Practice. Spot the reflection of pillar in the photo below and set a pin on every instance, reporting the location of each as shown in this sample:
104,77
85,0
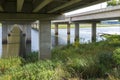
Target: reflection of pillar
56,29
68,33
76,31
56,40
14,42
68,28
93,32
28,38
4,39
45,40
68,39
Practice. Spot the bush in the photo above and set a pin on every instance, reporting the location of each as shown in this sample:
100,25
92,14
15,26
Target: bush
116,56
8,63
105,62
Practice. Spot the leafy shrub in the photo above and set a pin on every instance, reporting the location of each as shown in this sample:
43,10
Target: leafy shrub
31,57
8,63
105,62
116,56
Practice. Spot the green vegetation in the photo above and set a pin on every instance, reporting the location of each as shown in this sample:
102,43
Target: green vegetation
93,61
113,2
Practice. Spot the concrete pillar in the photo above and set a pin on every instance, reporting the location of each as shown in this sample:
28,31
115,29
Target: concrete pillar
36,26
45,40
68,28
76,31
23,41
23,45
68,33
4,39
68,39
56,29
4,33
14,39
93,32
28,38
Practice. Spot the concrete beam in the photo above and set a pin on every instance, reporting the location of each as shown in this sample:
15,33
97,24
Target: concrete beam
23,16
1,8
64,5
93,32
19,5
97,15
44,40
41,5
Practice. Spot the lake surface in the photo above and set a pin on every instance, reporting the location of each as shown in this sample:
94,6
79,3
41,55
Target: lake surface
85,36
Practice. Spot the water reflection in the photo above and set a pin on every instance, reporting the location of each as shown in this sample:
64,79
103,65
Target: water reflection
68,39
63,38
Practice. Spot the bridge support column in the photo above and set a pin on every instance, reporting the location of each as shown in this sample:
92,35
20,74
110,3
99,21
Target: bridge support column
68,28
44,40
28,38
93,32
56,29
76,32
4,39
4,33
68,33
56,34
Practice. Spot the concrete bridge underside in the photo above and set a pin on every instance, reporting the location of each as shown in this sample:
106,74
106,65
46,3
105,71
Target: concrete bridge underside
92,17
17,11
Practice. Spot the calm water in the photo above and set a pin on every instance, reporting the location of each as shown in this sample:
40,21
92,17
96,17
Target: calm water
85,36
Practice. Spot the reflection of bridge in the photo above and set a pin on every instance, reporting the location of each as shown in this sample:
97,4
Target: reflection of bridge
25,12
93,17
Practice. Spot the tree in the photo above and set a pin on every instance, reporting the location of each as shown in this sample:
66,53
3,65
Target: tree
113,2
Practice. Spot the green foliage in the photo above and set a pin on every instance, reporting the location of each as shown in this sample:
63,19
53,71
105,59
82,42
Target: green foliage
105,62
31,57
116,56
113,2
88,61
8,63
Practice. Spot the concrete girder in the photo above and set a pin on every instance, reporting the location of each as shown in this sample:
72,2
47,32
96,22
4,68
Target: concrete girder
19,5
23,16
64,5
41,5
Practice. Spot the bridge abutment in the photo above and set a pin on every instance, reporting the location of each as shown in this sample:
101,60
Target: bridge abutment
25,39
